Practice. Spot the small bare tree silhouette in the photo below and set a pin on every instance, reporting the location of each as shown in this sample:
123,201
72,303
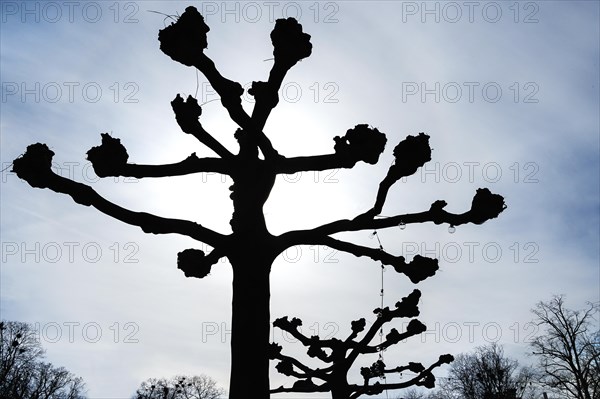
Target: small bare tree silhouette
342,354
250,247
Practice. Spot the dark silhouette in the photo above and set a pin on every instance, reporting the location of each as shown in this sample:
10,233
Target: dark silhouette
342,355
412,393
179,387
568,349
23,374
487,373
250,247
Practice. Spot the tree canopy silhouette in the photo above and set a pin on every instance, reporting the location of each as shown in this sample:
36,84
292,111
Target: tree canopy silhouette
249,246
342,354
179,387
568,350
487,373
23,374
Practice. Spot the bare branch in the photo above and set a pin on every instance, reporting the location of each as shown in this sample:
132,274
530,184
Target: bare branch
485,206
292,327
361,143
425,378
110,159
230,93
565,352
410,154
303,386
417,270
190,165
314,343
187,114
184,41
344,353
290,46
312,163
407,307
286,367
34,167
414,327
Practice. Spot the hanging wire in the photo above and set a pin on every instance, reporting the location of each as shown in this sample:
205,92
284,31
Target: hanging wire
381,294
197,84
167,16
11,164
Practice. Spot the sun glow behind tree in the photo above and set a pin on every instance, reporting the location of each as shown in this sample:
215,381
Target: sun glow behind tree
369,69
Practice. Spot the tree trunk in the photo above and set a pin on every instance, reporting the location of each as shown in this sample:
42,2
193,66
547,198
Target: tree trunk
339,384
250,327
340,393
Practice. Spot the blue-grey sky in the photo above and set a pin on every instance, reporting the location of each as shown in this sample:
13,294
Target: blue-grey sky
508,92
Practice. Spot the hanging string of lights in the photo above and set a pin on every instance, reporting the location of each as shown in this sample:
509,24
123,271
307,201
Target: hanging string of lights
381,294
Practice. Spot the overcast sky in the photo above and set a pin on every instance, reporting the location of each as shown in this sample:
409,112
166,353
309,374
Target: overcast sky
508,92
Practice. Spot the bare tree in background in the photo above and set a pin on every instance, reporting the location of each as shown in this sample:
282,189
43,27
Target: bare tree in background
488,374
179,387
250,247
412,393
22,373
569,349
341,354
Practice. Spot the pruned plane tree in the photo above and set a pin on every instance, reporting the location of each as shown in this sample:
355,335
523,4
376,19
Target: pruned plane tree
249,246
340,355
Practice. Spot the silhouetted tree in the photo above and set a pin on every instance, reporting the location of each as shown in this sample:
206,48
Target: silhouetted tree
22,373
412,394
488,374
179,387
569,349
342,354
250,247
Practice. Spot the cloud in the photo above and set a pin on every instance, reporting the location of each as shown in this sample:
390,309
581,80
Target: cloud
534,141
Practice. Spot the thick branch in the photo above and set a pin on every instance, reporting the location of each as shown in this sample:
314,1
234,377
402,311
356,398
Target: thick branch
360,143
411,153
265,94
208,140
290,45
110,159
377,254
313,163
191,164
34,167
230,93
286,367
187,114
292,328
149,223
485,206
303,386
417,270
384,187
